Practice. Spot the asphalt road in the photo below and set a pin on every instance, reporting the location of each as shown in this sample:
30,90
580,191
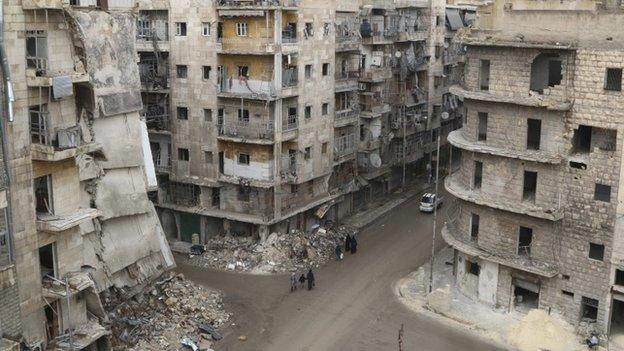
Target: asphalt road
353,306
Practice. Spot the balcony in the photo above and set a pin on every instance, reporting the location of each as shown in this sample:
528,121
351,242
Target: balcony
459,190
157,119
344,148
289,168
56,4
152,39
372,105
254,4
162,164
242,87
461,242
347,43
54,289
290,78
41,78
83,336
290,127
247,132
54,223
459,140
376,74
69,144
418,35
381,37
246,46
346,117
411,3
346,81
379,4
545,101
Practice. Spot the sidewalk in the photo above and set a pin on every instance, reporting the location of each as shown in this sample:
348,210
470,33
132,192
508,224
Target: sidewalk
387,203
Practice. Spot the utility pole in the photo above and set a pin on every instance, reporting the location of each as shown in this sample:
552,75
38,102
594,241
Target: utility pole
435,216
404,118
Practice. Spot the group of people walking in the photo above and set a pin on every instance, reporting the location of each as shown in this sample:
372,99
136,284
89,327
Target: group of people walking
350,244
309,277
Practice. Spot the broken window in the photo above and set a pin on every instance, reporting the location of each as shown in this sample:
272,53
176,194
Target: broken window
39,124
534,133
216,197
181,71
43,194
596,251
484,75
180,29
589,308
582,138
602,193
37,50
308,31
482,127
243,159
184,194
525,238
207,115
47,260
545,72
578,165
325,109
308,112
613,79
206,72
472,267
478,173
294,188
243,71
526,294
324,148
308,71
530,186
206,29
326,29
619,277
208,157
325,69
307,153
182,112
243,116
241,29
567,293
604,139
244,193
474,227
183,154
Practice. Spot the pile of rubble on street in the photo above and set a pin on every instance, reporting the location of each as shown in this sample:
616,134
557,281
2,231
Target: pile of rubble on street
293,251
167,315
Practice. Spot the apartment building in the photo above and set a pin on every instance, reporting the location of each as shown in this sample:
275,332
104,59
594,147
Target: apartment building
275,115
537,224
75,218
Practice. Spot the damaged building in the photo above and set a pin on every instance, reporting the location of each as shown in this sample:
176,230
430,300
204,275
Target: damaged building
538,220
266,116
75,217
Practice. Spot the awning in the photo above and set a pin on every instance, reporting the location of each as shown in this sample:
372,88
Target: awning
453,19
243,13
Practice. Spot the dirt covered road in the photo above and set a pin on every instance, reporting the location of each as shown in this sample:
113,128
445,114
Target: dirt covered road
353,306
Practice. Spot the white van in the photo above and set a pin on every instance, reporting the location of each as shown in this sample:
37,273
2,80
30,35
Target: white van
428,202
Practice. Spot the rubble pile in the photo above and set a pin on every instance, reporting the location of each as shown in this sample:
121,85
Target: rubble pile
279,253
166,315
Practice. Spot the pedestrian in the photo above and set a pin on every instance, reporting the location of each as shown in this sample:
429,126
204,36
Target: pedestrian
302,280
293,281
429,173
310,279
353,245
338,252
347,243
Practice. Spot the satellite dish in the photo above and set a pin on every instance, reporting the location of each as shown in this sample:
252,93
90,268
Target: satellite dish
397,54
444,115
374,160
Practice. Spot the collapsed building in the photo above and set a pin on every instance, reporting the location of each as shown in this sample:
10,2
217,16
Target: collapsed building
267,116
75,217
538,221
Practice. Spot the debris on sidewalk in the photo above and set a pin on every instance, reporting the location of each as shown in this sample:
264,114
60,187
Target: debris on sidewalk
539,330
166,315
279,253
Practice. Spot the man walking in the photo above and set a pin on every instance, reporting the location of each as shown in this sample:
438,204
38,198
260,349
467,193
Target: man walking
310,279
353,245
338,252
293,282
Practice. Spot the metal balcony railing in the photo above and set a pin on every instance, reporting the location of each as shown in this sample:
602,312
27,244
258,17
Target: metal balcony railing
247,130
290,123
344,145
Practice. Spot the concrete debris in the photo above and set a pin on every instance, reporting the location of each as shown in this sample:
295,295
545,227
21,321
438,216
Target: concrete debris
165,315
279,253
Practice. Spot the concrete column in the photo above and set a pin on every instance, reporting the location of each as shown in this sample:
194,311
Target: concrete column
226,227
263,232
176,216
202,229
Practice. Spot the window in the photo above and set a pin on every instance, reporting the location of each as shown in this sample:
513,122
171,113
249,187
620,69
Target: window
324,148
208,157
308,31
613,79
482,127
474,227
530,185
307,153
534,132
39,124
589,308
183,154
243,193
220,114
43,194
325,109
243,159
206,72
308,71
525,237
181,71
596,251
206,29
567,293
243,71
241,29
602,193
545,72
484,75
294,188
308,112
207,115
36,49
325,69
182,112
472,268
243,116
478,174
326,29
180,29
216,197
619,277
582,138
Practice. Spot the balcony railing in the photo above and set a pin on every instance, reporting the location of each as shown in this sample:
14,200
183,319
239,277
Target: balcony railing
347,114
248,87
289,77
156,118
344,145
247,130
290,123
247,44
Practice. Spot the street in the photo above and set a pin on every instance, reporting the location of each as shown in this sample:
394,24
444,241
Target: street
352,307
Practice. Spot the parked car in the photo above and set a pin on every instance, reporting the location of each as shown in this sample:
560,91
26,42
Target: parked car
428,202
